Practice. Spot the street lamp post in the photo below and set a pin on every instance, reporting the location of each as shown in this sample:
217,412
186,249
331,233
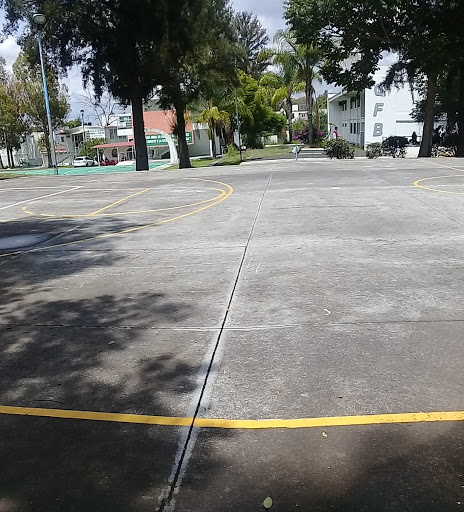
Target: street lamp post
40,20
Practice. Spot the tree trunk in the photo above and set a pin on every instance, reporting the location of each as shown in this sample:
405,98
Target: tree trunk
309,101
213,140
184,157
460,148
10,150
8,156
141,151
290,120
427,135
7,150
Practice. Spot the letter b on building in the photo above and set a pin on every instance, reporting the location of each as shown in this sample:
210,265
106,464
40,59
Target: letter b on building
378,129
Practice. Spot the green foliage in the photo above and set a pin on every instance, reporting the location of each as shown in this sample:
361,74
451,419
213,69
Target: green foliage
73,124
132,48
395,146
374,150
339,148
87,148
254,58
217,120
28,78
297,70
427,35
257,117
13,124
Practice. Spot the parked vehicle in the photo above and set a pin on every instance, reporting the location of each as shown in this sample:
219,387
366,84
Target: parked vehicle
83,161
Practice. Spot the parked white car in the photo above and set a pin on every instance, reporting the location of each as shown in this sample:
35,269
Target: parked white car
83,161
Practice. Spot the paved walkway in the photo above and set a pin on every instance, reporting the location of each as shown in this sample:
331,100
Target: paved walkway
200,340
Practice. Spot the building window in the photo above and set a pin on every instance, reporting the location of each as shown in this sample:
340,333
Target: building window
351,127
358,101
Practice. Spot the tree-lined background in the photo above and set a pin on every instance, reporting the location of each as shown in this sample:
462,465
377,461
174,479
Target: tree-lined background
203,58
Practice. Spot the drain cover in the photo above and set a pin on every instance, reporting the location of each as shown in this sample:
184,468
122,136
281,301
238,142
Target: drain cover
21,241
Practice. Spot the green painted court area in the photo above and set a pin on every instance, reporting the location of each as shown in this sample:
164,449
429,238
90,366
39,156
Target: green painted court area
83,171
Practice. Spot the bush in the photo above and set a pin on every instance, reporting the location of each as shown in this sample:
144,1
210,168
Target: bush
339,148
395,146
374,150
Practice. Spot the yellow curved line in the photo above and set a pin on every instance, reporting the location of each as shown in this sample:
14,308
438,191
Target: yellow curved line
297,423
417,184
223,192
118,202
130,230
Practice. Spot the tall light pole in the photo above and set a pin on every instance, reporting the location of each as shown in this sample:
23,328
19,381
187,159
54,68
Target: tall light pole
40,20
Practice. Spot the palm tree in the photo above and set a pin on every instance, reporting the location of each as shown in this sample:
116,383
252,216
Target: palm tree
282,86
298,63
217,121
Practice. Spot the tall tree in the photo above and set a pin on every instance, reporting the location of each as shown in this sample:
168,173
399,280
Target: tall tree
298,63
119,45
13,125
30,90
257,117
209,63
283,85
254,58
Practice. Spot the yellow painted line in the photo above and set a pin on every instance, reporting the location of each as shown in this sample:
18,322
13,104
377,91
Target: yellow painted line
334,421
273,424
130,230
113,214
96,416
418,184
118,202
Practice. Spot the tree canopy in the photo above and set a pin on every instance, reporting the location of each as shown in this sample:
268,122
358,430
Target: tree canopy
354,34
254,57
29,87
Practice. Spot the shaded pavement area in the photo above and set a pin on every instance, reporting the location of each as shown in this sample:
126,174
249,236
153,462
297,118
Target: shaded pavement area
313,289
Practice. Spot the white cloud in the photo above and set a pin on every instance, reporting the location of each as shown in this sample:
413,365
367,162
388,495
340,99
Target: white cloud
9,50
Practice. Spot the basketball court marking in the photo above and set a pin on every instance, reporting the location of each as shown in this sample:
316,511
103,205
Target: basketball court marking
228,192
230,424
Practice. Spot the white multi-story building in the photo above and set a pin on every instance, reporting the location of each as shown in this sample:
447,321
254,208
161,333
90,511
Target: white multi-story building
373,115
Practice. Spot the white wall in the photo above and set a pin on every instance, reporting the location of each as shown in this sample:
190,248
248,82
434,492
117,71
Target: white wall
389,113
201,144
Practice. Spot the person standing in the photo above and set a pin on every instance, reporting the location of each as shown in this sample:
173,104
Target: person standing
414,138
335,133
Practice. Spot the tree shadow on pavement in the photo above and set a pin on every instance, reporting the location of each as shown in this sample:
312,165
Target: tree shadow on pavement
382,468
96,351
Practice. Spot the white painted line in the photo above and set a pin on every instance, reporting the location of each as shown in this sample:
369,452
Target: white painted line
29,188
37,198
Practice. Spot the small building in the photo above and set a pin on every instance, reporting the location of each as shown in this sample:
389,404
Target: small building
300,109
373,115
69,141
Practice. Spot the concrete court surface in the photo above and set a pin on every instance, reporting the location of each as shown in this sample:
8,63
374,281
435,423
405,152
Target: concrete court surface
278,290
